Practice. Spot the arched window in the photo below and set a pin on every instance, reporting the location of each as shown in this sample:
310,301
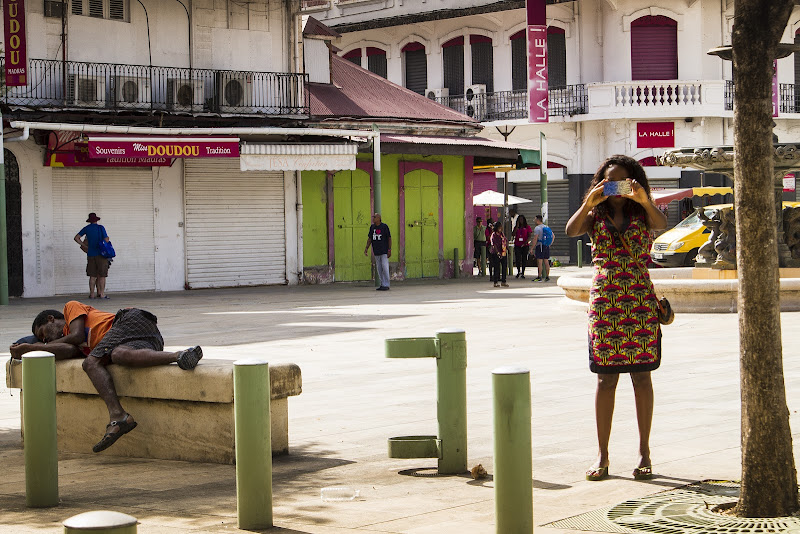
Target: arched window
482,61
519,62
654,48
453,64
416,67
376,61
556,59
354,56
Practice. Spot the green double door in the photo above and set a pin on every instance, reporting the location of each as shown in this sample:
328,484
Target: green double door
351,221
422,224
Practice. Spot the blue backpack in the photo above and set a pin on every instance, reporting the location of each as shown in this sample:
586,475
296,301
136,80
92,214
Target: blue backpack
547,236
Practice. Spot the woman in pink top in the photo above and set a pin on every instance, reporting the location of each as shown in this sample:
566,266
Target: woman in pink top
522,238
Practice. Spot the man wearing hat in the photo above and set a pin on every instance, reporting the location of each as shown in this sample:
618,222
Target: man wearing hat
96,265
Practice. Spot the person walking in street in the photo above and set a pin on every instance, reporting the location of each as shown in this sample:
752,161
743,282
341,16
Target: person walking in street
130,338
479,238
624,331
542,239
522,236
499,246
96,265
381,241
488,234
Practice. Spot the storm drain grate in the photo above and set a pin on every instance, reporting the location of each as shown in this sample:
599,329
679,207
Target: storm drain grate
679,511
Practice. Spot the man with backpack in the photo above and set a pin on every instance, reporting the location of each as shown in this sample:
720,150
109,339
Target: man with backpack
542,239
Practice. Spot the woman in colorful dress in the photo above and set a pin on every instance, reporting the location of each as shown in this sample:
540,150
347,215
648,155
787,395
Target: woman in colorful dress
624,332
499,246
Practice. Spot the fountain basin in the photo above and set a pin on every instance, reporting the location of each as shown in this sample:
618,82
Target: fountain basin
692,290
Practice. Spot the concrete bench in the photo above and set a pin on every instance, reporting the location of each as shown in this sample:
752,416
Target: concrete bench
182,415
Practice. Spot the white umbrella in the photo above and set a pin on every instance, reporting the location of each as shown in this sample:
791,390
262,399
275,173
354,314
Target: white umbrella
493,198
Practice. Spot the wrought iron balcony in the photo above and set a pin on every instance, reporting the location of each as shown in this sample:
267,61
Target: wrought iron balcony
55,85
508,105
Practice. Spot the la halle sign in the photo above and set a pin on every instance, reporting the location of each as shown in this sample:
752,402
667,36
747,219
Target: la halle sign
655,135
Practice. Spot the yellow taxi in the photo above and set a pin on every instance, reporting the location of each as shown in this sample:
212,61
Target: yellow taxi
678,247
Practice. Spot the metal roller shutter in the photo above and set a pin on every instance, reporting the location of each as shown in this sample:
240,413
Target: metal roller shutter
558,203
673,211
123,198
234,221
654,48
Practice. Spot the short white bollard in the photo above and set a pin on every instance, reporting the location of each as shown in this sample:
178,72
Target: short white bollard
101,522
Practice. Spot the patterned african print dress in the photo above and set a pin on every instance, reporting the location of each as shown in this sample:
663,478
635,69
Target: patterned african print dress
624,332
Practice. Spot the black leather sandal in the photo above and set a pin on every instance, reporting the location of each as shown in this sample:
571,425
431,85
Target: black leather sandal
111,437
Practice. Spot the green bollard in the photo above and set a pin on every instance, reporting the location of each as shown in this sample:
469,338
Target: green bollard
450,446
101,522
251,396
451,396
513,465
39,429
580,253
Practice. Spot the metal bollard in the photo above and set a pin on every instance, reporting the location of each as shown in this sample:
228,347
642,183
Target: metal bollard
580,253
101,522
251,398
450,446
39,428
513,464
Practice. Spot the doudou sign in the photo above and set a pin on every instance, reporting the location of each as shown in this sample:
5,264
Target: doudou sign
16,43
178,147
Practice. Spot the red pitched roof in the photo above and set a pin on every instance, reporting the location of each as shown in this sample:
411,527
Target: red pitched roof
359,93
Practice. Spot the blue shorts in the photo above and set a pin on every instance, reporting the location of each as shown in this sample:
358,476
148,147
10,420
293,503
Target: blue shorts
542,252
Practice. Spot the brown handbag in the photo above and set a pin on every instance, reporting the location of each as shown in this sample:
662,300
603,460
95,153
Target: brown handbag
664,309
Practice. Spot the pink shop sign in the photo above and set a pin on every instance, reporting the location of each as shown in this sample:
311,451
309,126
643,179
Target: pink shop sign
655,135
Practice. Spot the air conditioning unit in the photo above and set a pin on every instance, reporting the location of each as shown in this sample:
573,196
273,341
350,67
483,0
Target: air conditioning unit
475,101
132,92
234,92
87,90
185,95
435,94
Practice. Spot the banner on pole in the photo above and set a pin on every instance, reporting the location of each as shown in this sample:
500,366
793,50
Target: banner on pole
536,34
16,43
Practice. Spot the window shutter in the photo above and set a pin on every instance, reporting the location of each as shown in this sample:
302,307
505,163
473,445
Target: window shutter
556,57
96,8
483,64
77,7
376,61
354,56
416,70
654,48
116,9
519,62
453,59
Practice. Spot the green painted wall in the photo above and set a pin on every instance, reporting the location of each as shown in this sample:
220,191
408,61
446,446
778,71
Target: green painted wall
315,218
315,214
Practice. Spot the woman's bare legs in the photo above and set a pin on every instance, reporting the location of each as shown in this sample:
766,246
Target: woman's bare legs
604,412
643,394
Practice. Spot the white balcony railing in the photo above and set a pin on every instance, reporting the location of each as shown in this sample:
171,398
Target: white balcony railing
661,98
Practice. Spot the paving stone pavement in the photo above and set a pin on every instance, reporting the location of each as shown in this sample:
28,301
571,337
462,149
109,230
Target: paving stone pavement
354,399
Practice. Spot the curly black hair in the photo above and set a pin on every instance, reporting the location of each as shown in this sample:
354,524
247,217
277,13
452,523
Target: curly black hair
635,171
42,318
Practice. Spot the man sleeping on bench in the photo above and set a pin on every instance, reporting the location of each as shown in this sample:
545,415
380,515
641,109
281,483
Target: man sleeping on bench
130,338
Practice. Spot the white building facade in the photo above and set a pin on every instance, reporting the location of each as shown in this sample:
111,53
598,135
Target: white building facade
625,76
184,223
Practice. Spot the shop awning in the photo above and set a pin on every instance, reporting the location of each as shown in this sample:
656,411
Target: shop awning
665,196
494,198
298,157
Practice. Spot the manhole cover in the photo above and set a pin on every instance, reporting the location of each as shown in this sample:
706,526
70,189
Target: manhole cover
679,511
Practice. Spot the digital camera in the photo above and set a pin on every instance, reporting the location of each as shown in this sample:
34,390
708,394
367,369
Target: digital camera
617,188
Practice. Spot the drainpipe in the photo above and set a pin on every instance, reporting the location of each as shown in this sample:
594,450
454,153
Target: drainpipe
376,173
